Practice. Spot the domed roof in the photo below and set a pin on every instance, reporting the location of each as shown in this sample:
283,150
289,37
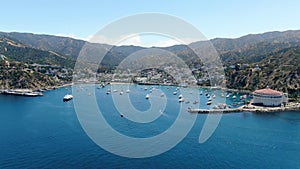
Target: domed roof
268,91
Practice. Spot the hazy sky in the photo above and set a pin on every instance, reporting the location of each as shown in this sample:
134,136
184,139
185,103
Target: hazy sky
214,18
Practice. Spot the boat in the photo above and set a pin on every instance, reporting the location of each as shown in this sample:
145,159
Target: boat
108,92
195,102
201,93
115,90
208,96
181,99
127,91
213,96
174,93
234,97
180,96
121,93
210,99
209,103
147,96
162,95
67,97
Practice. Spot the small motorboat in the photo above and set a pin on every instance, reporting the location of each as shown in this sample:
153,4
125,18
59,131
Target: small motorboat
181,100
180,96
67,97
147,96
174,93
209,103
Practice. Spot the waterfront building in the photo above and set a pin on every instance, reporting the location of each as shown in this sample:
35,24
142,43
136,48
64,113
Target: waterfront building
269,97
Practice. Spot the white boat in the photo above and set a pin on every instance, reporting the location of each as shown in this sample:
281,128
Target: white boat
210,99
181,99
180,96
213,96
108,92
121,93
201,93
67,97
195,102
174,93
147,96
234,97
227,96
209,103
127,91
115,90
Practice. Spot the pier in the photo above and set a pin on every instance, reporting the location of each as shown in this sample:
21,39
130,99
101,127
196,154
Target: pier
245,108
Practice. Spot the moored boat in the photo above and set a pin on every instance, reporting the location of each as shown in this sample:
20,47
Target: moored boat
67,97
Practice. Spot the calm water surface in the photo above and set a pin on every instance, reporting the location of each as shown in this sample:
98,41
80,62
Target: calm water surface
44,132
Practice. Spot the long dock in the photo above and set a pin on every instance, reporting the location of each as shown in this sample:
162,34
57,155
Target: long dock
255,109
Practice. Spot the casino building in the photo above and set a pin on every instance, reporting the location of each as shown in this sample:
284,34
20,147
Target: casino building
269,97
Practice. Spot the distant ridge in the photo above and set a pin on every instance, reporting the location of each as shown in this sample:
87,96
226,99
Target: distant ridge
272,51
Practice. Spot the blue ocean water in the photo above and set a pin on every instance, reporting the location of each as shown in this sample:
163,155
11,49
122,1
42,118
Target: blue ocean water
44,132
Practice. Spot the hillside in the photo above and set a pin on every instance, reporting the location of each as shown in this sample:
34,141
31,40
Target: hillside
15,75
280,70
22,53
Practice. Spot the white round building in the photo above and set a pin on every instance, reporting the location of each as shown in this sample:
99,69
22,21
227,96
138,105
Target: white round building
269,97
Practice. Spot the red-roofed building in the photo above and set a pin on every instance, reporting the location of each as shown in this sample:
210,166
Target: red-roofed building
269,97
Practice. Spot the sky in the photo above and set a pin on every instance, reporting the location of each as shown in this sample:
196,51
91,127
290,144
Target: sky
214,18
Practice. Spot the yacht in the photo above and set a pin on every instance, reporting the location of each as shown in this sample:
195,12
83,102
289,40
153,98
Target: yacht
67,97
